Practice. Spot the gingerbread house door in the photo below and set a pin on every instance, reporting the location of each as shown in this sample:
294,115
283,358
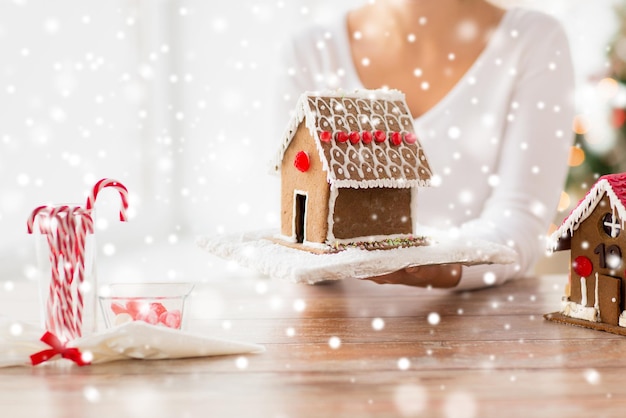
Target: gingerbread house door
299,220
609,299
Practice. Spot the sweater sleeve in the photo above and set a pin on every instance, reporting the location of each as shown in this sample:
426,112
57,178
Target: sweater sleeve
533,161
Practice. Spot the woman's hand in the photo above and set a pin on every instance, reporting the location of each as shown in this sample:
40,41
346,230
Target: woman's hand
435,275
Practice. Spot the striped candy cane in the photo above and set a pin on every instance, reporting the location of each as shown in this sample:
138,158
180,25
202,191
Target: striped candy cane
66,229
103,183
52,223
84,227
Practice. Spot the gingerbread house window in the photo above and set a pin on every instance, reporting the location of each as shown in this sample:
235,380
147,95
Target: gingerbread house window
610,225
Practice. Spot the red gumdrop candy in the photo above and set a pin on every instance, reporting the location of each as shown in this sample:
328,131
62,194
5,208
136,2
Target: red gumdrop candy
410,138
367,137
342,136
157,308
354,137
582,266
118,308
396,138
325,136
302,162
379,136
171,319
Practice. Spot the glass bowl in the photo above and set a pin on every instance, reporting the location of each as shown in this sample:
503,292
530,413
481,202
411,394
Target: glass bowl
160,304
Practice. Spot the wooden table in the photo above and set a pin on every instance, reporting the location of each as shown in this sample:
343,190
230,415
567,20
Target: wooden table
348,349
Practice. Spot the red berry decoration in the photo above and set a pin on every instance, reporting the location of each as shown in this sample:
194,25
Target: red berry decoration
325,136
367,137
410,138
342,136
379,136
396,138
582,266
354,137
302,162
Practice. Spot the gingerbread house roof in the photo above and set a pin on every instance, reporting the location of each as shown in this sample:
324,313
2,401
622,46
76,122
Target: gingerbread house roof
614,186
364,138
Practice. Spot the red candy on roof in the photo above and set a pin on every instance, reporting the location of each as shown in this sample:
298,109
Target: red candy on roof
355,137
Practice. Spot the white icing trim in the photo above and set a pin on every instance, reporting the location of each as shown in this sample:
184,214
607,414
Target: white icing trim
315,245
393,156
585,208
578,311
583,291
387,183
596,303
413,208
622,319
286,238
310,244
330,236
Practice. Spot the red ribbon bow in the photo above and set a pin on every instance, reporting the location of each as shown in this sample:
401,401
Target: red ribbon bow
57,348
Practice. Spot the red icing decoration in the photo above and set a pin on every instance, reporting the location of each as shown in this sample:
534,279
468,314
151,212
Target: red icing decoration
396,138
302,162
325,136
410,138
342,136
582,266
354,137
379,136
367,137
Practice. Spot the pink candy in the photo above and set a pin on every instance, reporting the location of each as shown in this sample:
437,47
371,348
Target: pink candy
153,313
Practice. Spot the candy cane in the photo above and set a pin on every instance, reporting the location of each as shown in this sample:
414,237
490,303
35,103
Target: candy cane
64,235
59,317
86,226
101,184
66,240
52,318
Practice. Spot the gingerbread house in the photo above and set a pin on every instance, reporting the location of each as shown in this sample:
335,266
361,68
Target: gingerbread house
349,164
595,296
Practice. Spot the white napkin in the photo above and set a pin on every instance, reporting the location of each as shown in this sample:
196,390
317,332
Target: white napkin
131,340
255,251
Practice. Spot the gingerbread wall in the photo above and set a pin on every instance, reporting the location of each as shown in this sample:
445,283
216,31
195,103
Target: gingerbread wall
592,241
312,182
371,212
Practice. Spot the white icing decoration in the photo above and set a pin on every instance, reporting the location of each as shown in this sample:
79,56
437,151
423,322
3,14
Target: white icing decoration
583,291
334,192
346,164
586,207
579,311
596,303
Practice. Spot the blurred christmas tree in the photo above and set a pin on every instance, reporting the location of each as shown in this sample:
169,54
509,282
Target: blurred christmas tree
605,151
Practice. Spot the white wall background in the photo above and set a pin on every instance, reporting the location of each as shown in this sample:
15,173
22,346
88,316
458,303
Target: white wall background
173,98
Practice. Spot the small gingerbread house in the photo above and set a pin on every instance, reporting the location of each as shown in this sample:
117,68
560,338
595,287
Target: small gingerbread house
595,296
349,163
